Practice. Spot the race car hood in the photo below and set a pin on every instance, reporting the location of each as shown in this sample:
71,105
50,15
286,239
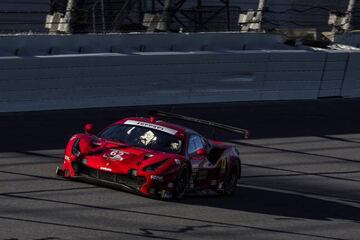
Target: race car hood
121,158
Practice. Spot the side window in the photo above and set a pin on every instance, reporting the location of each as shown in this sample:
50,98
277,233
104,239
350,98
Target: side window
195,143
192,145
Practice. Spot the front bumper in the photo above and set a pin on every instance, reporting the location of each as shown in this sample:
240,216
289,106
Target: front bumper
145,186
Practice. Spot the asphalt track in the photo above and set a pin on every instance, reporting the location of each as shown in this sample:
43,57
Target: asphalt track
301,178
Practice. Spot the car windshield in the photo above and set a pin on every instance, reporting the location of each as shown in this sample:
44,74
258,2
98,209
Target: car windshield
143,137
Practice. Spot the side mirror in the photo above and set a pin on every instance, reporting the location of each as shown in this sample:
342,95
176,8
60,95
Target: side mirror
201,152
89,128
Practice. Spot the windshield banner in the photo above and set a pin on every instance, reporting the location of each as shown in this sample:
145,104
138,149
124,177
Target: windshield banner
152,126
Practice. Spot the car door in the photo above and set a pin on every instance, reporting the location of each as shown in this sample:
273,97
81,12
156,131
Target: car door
203,171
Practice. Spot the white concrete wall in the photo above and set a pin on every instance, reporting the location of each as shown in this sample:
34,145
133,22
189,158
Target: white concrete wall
200,68
334,71
351,87
99,80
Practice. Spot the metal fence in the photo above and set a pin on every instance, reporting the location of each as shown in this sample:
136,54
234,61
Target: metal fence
110,16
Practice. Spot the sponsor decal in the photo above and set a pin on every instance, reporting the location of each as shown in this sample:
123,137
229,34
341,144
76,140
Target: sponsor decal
106,169
220,186
195,164
223,163
67,158
152,126
157,178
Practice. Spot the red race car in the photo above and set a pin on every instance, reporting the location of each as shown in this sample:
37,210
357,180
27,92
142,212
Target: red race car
154,158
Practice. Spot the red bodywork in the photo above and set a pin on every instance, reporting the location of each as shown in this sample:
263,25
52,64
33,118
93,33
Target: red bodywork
119,165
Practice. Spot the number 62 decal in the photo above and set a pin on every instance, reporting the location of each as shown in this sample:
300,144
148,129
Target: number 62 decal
116,155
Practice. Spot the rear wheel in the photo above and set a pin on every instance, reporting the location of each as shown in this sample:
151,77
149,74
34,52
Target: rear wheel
181,182
231,180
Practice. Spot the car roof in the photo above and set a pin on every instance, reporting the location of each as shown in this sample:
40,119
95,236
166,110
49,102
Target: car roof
178,128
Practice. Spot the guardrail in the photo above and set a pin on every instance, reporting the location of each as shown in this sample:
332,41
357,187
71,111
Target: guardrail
31,82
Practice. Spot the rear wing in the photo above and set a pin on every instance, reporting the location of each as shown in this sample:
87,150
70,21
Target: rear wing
228,128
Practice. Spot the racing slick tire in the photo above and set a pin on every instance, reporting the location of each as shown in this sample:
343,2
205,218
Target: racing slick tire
181,182
231,180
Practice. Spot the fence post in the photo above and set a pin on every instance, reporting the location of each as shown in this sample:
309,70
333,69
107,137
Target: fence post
349,15
260,13
68,15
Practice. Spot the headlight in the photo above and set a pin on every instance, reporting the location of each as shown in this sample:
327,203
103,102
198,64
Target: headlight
154,166
76,148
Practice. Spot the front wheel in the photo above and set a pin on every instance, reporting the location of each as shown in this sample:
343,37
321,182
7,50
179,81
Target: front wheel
181,182
231,180
59,172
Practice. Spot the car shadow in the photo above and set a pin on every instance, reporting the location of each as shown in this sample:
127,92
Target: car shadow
41,130
281,205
